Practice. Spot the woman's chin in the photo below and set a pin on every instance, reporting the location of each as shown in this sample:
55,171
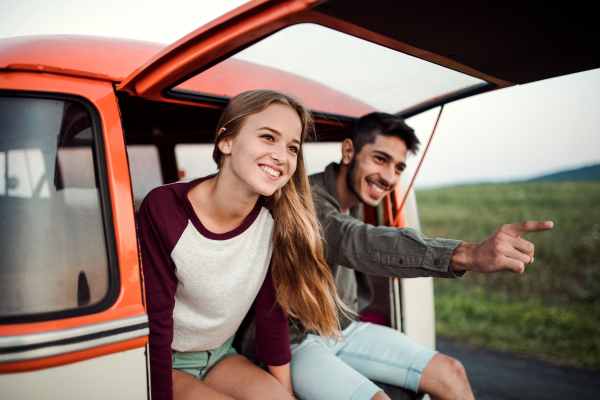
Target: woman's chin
267,190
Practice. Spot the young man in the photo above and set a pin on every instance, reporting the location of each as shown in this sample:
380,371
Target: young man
373,157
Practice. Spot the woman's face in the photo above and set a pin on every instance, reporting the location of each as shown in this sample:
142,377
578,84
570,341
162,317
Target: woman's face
264,154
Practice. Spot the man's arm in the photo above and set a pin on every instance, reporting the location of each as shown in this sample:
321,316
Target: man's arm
382,250
504,249
406,253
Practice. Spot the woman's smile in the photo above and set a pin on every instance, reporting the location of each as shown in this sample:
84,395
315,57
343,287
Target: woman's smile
272,172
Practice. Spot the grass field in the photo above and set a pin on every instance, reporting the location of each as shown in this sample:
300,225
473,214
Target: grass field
553,310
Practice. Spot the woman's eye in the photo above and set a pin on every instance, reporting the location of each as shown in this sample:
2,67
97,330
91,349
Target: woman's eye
268,137
295,150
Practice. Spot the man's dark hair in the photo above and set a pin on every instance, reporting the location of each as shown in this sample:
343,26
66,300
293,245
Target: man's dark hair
368,126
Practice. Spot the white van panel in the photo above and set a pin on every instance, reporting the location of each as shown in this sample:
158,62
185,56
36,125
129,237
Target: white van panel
116,376
418,311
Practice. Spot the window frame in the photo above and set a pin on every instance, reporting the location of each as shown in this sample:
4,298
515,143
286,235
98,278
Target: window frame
101,175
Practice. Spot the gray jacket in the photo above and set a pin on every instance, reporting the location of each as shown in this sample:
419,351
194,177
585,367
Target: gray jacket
355,249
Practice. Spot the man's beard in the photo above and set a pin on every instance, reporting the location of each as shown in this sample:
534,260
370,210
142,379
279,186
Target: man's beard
350,180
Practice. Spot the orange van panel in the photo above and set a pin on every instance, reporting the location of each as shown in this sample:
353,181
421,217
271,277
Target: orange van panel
129,303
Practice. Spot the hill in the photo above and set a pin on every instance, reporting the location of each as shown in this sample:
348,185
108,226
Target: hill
590,173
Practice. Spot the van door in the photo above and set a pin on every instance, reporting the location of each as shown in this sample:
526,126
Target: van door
72,319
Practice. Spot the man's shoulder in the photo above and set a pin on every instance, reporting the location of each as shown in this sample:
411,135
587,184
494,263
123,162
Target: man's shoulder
323,183
320,189
317,181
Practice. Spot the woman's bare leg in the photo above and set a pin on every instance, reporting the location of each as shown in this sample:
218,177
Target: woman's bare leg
188,387
239,378
233,378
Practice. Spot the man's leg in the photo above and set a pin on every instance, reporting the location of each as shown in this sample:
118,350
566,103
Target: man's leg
317,374
386,355
445,378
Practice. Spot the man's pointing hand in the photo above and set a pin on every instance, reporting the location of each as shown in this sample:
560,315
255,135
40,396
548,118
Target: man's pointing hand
504,249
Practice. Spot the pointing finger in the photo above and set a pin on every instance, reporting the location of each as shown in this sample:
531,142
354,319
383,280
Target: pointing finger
521,228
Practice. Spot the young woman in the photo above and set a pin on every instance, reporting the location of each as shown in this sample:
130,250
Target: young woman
212,246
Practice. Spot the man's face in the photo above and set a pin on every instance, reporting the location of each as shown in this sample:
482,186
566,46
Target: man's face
375,171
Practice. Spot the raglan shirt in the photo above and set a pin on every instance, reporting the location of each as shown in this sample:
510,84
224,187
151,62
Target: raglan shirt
200,285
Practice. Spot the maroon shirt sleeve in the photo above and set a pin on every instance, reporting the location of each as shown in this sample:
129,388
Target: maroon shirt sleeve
272,343
160,223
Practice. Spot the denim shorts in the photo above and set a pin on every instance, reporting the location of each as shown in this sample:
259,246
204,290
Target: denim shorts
344,370
198,363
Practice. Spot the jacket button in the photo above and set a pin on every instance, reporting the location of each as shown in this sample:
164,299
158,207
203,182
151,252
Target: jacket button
401,261
437,262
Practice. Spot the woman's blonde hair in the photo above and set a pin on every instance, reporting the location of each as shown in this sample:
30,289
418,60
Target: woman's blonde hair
303,282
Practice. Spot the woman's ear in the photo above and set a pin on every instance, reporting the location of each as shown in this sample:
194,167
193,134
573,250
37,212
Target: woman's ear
347,151
225,144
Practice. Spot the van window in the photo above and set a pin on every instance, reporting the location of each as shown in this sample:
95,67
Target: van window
195,160
144,167
331,71
52,241
318,155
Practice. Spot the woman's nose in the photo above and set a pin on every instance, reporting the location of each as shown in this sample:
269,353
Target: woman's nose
279,155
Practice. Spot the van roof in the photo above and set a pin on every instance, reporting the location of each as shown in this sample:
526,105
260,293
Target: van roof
86,56
113,59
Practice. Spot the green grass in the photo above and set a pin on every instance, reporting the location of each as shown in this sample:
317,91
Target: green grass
553,310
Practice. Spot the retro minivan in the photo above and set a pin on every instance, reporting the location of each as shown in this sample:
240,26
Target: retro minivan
89,125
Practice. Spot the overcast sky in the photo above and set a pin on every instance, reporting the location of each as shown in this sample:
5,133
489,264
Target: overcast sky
514,133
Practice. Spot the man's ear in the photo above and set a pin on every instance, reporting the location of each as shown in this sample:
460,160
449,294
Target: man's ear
347,151
225,144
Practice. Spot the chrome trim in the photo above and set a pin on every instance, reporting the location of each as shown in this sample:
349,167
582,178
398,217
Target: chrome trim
39,339
397,305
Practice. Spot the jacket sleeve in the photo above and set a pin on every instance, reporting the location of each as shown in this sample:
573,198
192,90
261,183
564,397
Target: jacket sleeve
382,250
160,283
272,343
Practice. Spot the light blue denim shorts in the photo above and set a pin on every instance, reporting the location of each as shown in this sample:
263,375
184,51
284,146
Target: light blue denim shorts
344,370
199,363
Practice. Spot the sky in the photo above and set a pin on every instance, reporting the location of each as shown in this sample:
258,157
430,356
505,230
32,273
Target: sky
510,134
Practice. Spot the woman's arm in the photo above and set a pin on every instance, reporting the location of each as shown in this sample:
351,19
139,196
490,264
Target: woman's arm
272,342
160,284
282,374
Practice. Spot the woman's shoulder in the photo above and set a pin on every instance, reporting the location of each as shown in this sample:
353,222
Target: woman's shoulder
164,195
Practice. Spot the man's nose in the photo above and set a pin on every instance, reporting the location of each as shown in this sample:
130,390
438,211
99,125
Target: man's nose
388,175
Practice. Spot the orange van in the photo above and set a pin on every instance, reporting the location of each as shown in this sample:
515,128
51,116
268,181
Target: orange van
90,125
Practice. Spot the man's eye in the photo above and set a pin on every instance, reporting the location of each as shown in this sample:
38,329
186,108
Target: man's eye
379,159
